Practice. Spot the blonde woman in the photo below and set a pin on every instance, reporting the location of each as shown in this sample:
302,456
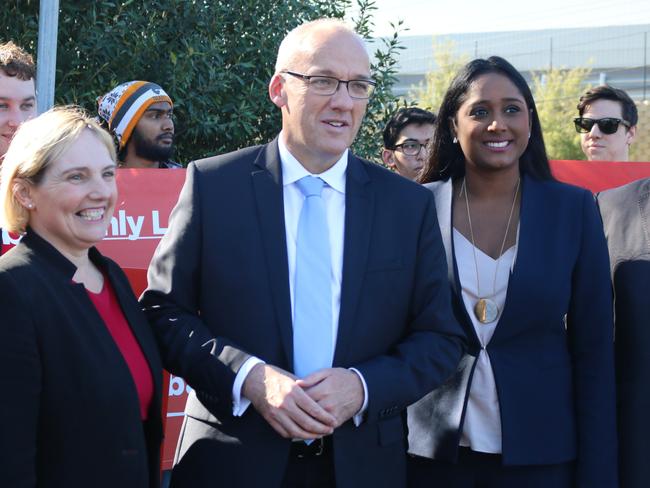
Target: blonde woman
78,365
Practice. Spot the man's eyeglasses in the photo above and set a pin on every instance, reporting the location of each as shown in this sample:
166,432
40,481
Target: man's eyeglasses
607,125
327,85
411,147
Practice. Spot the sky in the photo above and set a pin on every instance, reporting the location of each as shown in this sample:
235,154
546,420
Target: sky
431,17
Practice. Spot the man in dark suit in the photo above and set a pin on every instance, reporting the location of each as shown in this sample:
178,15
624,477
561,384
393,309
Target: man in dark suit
302,313
626,213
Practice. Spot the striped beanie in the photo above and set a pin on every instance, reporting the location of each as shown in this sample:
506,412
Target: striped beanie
124,105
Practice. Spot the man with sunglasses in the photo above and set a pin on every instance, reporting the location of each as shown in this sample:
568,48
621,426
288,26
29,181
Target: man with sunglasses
607,123
406,137
302,292
625,211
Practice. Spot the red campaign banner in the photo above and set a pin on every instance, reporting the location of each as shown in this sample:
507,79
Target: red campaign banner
146,198
599,175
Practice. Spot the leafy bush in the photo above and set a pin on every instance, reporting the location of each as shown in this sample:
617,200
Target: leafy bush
557,92
214,58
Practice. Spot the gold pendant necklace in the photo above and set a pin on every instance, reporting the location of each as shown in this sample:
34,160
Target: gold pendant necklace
486,310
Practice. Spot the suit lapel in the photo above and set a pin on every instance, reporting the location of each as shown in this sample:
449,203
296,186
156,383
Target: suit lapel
443,195
532,227
140,329
267,187
359,214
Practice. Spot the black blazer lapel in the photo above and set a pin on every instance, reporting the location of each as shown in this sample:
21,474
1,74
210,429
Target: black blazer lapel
359,213
139,325
267,187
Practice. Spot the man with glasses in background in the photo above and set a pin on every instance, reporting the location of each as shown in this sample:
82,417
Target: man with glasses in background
406,137
607,123
305,308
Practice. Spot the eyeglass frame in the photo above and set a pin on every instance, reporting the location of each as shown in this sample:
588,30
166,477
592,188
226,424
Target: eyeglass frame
399,147
581,130
307,78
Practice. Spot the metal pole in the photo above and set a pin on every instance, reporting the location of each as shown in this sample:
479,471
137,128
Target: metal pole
48,20
645,63
551,56
475,49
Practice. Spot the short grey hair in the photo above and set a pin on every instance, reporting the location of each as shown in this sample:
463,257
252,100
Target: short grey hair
294,41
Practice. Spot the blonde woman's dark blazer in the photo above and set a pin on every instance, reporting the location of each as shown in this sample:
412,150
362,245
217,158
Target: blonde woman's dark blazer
70,414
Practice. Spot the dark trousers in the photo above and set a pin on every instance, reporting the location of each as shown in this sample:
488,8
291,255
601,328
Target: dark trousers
481,470
310,466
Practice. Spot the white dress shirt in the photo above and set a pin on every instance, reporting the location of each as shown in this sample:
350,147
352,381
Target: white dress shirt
333,196
482,424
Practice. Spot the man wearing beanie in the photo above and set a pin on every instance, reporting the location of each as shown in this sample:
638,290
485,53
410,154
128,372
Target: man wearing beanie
139,115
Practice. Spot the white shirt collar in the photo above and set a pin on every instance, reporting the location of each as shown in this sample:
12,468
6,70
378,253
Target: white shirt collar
293,170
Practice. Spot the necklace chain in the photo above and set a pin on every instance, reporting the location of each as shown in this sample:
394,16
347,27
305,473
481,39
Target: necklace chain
503,243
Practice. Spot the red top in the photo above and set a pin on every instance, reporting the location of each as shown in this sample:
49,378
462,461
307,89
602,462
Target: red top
109,309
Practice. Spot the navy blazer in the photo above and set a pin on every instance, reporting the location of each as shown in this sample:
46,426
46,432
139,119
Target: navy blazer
70,414
626,217
552,350
219,292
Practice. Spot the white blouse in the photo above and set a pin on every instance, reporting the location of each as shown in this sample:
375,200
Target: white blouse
482,425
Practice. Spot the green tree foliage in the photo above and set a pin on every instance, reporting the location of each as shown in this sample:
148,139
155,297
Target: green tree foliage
213,57
383,103
436,81
556,94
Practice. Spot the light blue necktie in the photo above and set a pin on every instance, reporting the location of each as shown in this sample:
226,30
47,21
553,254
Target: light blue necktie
312,322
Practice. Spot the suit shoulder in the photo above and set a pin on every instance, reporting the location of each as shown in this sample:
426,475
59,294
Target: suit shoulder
17,261
241,158
558,190
625,194
391,181
18,275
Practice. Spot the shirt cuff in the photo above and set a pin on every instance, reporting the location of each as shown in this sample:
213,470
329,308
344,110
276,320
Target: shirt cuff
239,403
358,417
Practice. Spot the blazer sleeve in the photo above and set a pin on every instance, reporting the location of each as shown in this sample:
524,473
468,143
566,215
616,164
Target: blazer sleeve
590,333
171,302
434,342
20,380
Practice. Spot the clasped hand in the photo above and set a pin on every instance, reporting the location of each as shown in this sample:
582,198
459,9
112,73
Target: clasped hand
305,408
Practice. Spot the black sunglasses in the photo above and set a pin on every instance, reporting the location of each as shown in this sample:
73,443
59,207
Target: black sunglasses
607,125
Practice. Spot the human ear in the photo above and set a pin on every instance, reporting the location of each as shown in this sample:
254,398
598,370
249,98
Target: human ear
277,93
453,129
388,158
631,134
22,191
